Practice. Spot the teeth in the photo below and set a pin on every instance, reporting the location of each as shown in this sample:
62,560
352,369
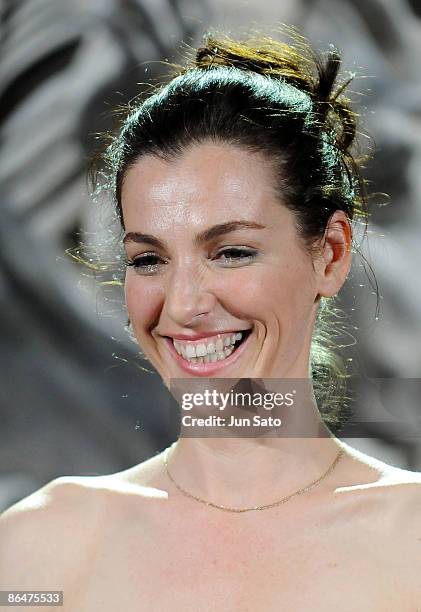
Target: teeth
201,350
190,351
219,345
208,353
211,348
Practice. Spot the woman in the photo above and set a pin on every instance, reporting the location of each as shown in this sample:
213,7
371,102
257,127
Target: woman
235,187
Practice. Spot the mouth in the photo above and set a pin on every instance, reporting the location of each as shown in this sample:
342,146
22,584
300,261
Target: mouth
210,354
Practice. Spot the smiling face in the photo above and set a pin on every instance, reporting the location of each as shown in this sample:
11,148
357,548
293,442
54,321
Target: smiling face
221,284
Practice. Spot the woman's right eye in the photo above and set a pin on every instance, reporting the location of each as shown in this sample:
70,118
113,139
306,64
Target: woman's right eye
147,263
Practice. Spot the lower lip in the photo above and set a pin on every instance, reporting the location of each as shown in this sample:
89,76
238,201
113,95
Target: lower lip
205,369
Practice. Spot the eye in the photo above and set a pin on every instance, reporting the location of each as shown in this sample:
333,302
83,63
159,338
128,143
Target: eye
147,263
233,256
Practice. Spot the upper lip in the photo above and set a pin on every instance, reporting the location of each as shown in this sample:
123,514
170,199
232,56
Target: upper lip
203,335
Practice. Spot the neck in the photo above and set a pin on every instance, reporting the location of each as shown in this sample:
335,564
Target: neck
247,471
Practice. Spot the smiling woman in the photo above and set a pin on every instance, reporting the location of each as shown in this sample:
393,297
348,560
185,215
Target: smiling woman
236,189
226,236
274,115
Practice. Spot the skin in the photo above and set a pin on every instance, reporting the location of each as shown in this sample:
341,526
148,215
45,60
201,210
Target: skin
131,540
194,288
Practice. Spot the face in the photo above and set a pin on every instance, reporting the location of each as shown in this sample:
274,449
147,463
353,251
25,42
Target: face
221,285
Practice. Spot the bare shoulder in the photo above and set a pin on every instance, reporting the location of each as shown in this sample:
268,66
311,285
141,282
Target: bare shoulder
398,489
387,507
403,493
43,537
47,538
403,488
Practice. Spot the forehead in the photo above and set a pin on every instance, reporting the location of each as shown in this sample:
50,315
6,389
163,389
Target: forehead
207,183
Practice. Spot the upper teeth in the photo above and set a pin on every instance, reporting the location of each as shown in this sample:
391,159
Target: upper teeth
207,346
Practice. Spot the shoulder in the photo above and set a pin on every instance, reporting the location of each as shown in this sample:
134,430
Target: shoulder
377,511
394,491
57,499
403,491
45,534
384,497
403,498
384,503
46,537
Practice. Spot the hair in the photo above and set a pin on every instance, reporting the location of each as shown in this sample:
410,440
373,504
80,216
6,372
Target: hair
282,100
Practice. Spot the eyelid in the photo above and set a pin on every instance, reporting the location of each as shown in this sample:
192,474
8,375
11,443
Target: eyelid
147,253
241,256
238,249
136,261
144,255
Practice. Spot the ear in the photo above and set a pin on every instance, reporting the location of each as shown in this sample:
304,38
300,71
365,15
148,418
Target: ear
335,257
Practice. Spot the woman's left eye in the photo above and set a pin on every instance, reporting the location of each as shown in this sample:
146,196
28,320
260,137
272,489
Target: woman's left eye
236,256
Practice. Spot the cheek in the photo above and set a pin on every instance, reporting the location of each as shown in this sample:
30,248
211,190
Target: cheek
298,301
143,301
279,291
243,293
285,296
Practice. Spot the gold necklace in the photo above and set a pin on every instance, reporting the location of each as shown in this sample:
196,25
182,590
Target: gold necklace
277,503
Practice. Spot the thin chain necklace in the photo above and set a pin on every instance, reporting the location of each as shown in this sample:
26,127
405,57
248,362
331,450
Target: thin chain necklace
277,503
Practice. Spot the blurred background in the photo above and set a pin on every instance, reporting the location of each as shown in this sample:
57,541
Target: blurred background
75,396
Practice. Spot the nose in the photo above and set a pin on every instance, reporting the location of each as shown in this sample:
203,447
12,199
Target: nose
187,297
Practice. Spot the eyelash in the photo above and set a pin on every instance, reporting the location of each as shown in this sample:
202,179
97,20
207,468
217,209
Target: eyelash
138,263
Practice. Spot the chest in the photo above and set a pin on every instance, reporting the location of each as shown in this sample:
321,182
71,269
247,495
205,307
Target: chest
192,566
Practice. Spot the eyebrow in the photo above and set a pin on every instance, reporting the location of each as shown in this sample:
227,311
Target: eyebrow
206,236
